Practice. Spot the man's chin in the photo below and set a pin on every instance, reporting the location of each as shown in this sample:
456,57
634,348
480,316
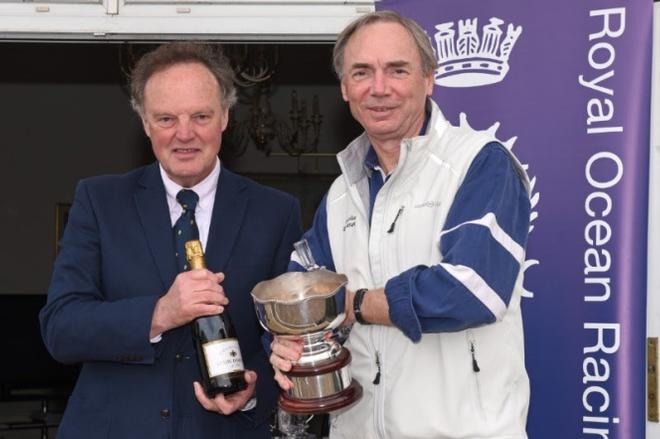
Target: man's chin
185,176
385,128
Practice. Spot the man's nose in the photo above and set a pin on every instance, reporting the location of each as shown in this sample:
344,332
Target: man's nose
380,84
184,129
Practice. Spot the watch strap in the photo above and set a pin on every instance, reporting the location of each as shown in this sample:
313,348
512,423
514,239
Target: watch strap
357,305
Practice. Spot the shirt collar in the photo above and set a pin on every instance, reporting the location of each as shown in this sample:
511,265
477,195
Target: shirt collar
205,189
371,160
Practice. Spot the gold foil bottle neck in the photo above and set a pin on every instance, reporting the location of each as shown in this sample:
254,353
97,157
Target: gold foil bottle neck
195,255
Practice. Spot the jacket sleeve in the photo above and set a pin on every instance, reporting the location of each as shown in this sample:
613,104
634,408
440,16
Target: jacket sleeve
482,246
78,323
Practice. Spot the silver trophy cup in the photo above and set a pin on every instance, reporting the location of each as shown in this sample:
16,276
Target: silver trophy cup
304,304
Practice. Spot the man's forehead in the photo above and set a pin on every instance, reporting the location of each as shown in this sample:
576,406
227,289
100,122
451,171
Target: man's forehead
182,77
375,41
182,73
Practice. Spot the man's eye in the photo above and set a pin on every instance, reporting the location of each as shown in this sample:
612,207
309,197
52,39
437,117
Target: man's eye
165,120
202,117
359,74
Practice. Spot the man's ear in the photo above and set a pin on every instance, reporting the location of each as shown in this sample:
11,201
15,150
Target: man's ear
429,84
225,117
343,91
145,126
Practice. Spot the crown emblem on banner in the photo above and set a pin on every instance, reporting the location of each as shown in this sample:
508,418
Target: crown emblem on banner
471,60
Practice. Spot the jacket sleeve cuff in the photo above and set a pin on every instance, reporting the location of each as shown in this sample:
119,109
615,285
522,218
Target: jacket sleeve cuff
138,350
266,394
399,300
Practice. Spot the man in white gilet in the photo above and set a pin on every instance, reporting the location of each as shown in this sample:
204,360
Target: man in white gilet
429,222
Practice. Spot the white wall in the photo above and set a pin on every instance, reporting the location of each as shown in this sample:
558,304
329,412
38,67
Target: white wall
653,304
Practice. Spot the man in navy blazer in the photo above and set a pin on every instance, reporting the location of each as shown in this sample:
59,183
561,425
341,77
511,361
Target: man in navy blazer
117,303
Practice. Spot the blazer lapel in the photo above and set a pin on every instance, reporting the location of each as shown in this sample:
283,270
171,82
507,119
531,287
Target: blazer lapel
228,212
151,203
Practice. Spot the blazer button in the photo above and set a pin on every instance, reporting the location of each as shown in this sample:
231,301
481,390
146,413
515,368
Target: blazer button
178,357
165,413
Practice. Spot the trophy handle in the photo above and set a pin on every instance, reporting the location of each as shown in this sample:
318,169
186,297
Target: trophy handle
305,255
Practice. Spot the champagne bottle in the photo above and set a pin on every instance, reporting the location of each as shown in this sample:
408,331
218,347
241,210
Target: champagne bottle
218,352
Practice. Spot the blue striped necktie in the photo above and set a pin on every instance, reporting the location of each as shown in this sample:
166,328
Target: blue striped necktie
185,228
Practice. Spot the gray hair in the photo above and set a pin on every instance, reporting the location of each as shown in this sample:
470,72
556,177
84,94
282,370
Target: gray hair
171,54
422,40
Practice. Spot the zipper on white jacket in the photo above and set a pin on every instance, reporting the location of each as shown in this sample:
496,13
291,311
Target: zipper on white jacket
376,380
398,214
475,365
379,390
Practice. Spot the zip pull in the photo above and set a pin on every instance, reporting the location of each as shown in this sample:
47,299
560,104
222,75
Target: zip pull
377,379
475,366
391,229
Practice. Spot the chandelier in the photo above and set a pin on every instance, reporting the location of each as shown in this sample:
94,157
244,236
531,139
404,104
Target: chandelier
296,134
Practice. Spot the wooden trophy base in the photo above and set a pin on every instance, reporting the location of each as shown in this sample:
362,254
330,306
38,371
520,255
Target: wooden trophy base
319,406
321,388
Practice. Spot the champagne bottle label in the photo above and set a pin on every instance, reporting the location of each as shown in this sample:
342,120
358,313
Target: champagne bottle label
223,356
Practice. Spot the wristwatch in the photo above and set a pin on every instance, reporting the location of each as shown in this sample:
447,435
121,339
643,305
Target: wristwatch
357,304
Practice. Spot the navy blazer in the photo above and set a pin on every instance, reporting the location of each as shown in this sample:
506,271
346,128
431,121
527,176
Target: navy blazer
116,259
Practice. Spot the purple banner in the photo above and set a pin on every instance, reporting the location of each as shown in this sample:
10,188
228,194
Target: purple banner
568,85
